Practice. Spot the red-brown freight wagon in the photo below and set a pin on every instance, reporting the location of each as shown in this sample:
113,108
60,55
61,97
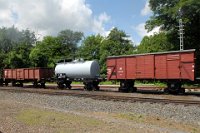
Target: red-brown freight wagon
173,67
21,75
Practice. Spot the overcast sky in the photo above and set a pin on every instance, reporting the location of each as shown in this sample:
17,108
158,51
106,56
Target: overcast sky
48,17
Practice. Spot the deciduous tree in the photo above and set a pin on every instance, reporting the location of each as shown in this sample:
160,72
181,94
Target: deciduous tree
117,43
90,48
156,43
166,14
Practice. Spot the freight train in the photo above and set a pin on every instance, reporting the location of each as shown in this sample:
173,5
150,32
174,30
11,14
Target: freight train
174,68
64,73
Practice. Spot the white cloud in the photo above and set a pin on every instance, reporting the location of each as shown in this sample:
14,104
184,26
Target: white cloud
48,17
104,17
146,10
99,22
140,29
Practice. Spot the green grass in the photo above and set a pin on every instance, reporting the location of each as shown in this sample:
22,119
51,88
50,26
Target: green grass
61,122
137,83
109,83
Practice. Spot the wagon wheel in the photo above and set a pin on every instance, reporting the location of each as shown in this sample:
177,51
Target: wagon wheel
60,85
97,88
13,83
166,90
68,84
132,89
1,82
175,91
174,88
69,87
127,86
6,83
42,85
182,91
88,87
21,84
123,89
35,84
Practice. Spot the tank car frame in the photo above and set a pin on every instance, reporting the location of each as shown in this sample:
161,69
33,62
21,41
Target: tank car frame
89,84
83,71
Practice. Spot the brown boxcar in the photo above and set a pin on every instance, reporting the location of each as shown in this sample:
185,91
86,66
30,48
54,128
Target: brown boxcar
21,75
173,67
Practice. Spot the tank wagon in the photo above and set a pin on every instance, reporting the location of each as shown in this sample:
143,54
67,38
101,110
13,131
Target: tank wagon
21,75
173,67
86,71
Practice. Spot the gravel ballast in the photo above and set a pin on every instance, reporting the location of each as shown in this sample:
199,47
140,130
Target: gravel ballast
179,113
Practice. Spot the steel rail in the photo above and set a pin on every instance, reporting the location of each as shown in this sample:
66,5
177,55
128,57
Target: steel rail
102,96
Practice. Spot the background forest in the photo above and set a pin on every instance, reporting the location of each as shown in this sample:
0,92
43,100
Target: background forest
21,48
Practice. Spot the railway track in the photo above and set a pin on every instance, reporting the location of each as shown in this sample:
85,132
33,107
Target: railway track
107,96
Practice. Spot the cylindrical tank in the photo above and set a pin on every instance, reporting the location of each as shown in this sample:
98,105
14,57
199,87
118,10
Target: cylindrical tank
86,69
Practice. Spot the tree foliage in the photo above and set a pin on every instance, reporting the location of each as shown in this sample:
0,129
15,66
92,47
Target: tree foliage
70,40
19,57
11,37
45,51
166,14
156,43
99,48
50,50
15,46
90,48
117,43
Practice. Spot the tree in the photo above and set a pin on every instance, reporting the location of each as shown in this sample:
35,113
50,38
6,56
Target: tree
156,43
166,14
2,63
117,43
50,50
12,37
19,57
15,46
70,40
38,59
90,48
47,52
27,37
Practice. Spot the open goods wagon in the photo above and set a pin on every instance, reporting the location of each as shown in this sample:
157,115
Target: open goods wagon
21,75
173,67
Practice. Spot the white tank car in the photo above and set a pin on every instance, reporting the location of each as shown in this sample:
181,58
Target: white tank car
78,69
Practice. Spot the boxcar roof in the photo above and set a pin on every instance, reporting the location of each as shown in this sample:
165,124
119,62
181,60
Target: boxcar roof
167,52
